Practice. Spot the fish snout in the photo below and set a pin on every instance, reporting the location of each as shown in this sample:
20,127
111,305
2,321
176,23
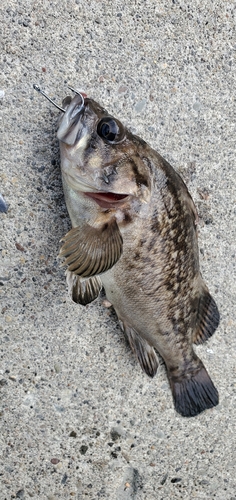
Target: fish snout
70,124
76,106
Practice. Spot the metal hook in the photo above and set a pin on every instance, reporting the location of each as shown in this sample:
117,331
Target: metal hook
36,87
78,93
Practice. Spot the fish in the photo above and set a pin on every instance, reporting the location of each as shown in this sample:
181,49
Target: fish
134,233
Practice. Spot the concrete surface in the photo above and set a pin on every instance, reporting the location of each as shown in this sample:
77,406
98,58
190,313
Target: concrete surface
78,417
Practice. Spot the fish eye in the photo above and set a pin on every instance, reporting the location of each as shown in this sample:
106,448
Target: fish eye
110,129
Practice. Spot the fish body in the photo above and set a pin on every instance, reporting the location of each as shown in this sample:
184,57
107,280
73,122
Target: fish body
134,232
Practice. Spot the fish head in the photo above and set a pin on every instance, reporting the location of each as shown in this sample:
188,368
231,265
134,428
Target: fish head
100,159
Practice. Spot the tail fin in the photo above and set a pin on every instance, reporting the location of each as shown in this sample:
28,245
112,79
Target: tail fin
194,392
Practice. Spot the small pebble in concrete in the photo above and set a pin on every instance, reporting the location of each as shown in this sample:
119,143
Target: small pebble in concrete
140,106
20,494
197,106
83,449
73,434
64,479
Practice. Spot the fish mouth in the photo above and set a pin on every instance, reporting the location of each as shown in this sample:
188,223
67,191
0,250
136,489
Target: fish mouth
102,198
107,200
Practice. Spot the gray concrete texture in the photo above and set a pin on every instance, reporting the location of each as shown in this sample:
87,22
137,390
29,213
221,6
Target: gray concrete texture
79,419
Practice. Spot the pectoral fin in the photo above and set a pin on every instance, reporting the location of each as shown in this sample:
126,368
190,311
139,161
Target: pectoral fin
208,318
83,290
89,250
145,353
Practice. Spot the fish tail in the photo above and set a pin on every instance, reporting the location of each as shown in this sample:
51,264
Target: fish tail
193,392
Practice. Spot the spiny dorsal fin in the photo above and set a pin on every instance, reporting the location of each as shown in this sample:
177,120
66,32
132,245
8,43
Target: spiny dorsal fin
89,250
208,318
83,290
145,353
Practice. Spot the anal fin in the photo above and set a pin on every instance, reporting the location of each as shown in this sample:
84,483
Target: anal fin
145,353
208,318
83,290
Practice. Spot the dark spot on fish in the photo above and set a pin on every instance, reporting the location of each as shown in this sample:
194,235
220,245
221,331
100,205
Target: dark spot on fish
130,265
170,283
105,178
140,178
156,226
127,218
148,163
152,265
151,243
92,144
166,333
142,242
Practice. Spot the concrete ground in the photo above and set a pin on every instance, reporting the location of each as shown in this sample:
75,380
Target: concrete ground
79,419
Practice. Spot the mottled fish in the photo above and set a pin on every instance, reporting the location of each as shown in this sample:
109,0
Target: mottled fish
134,232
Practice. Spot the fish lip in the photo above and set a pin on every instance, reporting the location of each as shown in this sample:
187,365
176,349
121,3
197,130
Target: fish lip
108,199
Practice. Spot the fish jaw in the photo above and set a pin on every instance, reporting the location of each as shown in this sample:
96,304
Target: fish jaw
85,204
105,199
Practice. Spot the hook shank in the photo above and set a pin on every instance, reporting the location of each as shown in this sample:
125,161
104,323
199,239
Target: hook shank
36,87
